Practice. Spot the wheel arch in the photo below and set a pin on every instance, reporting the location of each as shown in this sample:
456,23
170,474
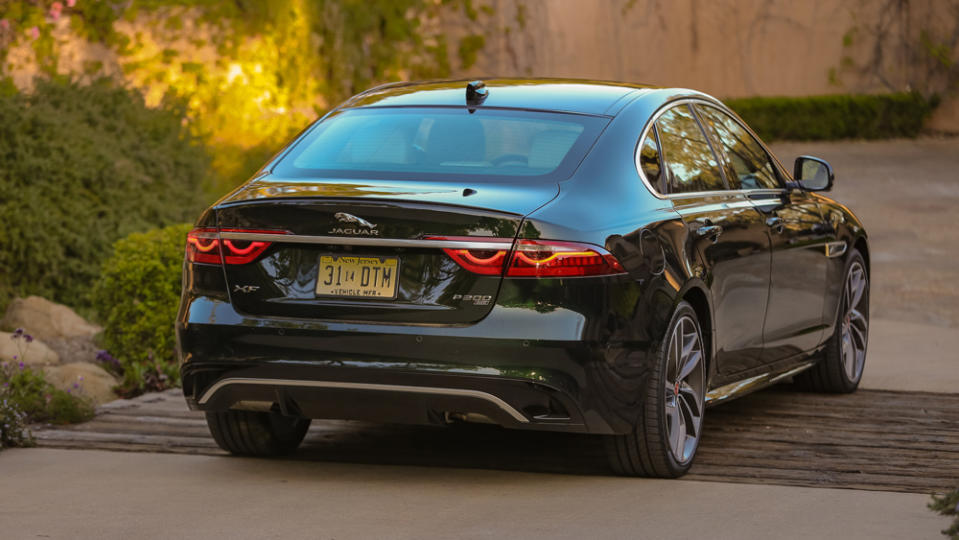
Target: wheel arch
698,297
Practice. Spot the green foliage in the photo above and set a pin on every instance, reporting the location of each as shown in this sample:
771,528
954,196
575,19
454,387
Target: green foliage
137,298
279,63
835,117
948,505
81,166
469,49
13,424
39,401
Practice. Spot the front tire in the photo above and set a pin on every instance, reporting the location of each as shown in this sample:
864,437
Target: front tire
844,358
664,440
255,433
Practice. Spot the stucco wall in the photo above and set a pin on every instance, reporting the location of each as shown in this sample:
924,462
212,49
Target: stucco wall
730,48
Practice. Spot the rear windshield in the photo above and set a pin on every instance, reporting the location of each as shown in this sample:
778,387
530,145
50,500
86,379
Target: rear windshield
415,143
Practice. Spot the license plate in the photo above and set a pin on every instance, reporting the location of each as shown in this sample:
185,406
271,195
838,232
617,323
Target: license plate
358,277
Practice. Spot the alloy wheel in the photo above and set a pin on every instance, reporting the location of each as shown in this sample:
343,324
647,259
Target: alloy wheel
855,321
685,385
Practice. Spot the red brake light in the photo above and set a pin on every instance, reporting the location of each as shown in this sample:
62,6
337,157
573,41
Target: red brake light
533,258
549,258
205,246
488,262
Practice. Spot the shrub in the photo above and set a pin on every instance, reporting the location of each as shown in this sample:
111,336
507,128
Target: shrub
137,298
948,505
835,117
80,167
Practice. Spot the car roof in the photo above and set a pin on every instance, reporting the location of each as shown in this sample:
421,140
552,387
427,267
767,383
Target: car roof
565,95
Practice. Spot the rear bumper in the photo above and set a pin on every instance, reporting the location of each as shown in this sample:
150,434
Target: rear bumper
520,371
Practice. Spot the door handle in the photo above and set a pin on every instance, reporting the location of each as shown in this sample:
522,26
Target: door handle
710,231
775,223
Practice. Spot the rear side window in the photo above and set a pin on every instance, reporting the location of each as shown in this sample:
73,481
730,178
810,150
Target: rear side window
752,167
690,161
418,143
650,161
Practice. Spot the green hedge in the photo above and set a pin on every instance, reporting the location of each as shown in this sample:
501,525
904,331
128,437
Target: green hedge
811,118
80,167
137,298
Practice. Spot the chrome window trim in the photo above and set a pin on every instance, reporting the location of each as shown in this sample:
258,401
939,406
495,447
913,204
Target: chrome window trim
693,101
460,392
365,241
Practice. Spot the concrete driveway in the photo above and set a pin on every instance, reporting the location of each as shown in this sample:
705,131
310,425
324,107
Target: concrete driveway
907,193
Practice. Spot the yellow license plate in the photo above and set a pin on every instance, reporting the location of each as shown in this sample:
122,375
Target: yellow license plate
358,277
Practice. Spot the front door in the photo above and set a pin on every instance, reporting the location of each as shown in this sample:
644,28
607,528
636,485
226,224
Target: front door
794,316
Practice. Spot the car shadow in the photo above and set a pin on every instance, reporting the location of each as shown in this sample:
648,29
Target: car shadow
473,446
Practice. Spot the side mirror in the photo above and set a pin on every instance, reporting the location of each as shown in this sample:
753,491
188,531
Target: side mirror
813,174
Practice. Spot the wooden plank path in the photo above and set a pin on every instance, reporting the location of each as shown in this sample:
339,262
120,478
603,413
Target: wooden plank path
873,440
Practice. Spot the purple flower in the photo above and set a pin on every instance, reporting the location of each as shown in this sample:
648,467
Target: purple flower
17,333
28,337
21,365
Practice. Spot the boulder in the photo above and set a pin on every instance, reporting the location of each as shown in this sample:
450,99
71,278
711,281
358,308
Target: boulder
94,381
35,353
47,320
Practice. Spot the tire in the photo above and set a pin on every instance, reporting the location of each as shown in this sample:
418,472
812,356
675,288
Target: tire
667,417
253,433
837,372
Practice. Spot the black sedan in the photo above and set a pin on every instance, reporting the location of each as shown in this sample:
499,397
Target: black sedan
561,255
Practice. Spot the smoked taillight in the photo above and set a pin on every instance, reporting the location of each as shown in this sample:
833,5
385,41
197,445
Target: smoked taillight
533,258
205,245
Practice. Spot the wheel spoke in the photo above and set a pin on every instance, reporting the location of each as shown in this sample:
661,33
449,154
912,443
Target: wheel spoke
677,438
857,286
858,327
689,363
690,411
848,356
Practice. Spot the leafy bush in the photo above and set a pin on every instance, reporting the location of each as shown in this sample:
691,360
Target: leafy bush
835,117
137,298
80,167
948,505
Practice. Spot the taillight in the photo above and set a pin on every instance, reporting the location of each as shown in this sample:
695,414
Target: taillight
206,246
549,258
488,262
532,258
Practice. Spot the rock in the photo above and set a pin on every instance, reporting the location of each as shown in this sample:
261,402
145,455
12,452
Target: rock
34,354
75,349
47,320
94,381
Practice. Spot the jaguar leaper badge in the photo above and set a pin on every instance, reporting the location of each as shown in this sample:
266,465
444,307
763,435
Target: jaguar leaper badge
364,227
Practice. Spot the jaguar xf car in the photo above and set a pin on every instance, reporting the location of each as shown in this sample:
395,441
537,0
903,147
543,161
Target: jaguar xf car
561,255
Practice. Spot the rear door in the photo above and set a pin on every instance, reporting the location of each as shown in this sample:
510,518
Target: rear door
793,322
728,233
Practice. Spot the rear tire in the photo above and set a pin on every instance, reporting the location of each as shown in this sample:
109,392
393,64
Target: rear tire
844,358
664,440
253,433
